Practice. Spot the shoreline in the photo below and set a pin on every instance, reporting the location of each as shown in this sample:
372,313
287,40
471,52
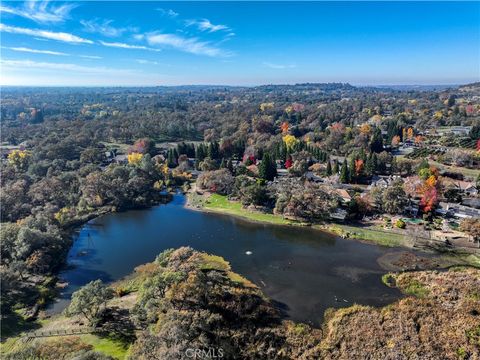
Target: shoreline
451,257
55,282
397,262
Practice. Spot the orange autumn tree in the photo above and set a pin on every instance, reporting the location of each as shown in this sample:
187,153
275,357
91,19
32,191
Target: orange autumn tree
410,133
431,181
358,166
365,129
419,140
430,190
395,141
429,200
284,127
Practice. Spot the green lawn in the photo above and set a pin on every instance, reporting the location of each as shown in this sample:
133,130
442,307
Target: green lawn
220,203
370,234
113,348
472,173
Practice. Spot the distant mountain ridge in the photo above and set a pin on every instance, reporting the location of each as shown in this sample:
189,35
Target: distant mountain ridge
324,87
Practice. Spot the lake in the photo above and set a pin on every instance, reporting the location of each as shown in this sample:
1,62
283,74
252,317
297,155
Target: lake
305,270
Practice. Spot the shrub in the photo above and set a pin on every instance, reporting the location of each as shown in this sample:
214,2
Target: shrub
400,224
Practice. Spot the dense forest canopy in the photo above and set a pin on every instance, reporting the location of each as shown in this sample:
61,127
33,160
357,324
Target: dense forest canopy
214,113
71,154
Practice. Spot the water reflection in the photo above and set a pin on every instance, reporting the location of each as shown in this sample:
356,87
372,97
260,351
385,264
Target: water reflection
303,269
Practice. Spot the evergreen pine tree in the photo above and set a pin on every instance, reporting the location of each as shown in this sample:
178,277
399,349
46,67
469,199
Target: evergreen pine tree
344,173
423,165
351,170
211,151
376,144
329,168
374,163
181,148
393,165
267,169
369,168
335,167
283,151
200,153
191,150
171,159
230,166
362,155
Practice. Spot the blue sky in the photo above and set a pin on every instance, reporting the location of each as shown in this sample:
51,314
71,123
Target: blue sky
238,43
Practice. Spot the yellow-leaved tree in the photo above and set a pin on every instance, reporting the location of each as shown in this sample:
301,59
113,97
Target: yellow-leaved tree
365,129
19,158
266,106
290,141
134,158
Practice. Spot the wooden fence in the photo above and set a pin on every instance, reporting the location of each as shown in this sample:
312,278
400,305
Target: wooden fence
27,337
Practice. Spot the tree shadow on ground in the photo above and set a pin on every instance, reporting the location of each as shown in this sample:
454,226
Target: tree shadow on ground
116,324
14,324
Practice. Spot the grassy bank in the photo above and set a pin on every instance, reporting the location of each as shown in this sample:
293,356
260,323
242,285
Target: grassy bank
107,346
110,347
220,204
370,234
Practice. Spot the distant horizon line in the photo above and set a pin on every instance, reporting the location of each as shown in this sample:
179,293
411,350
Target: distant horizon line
240,86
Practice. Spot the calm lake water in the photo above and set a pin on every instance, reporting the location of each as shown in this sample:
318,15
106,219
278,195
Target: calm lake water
304,270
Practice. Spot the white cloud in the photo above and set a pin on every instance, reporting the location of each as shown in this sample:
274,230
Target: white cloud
40,11
94,57
146,62
35,51
127,46
59,36
190,45
28,64
104,27
206,25
168,12
279,66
